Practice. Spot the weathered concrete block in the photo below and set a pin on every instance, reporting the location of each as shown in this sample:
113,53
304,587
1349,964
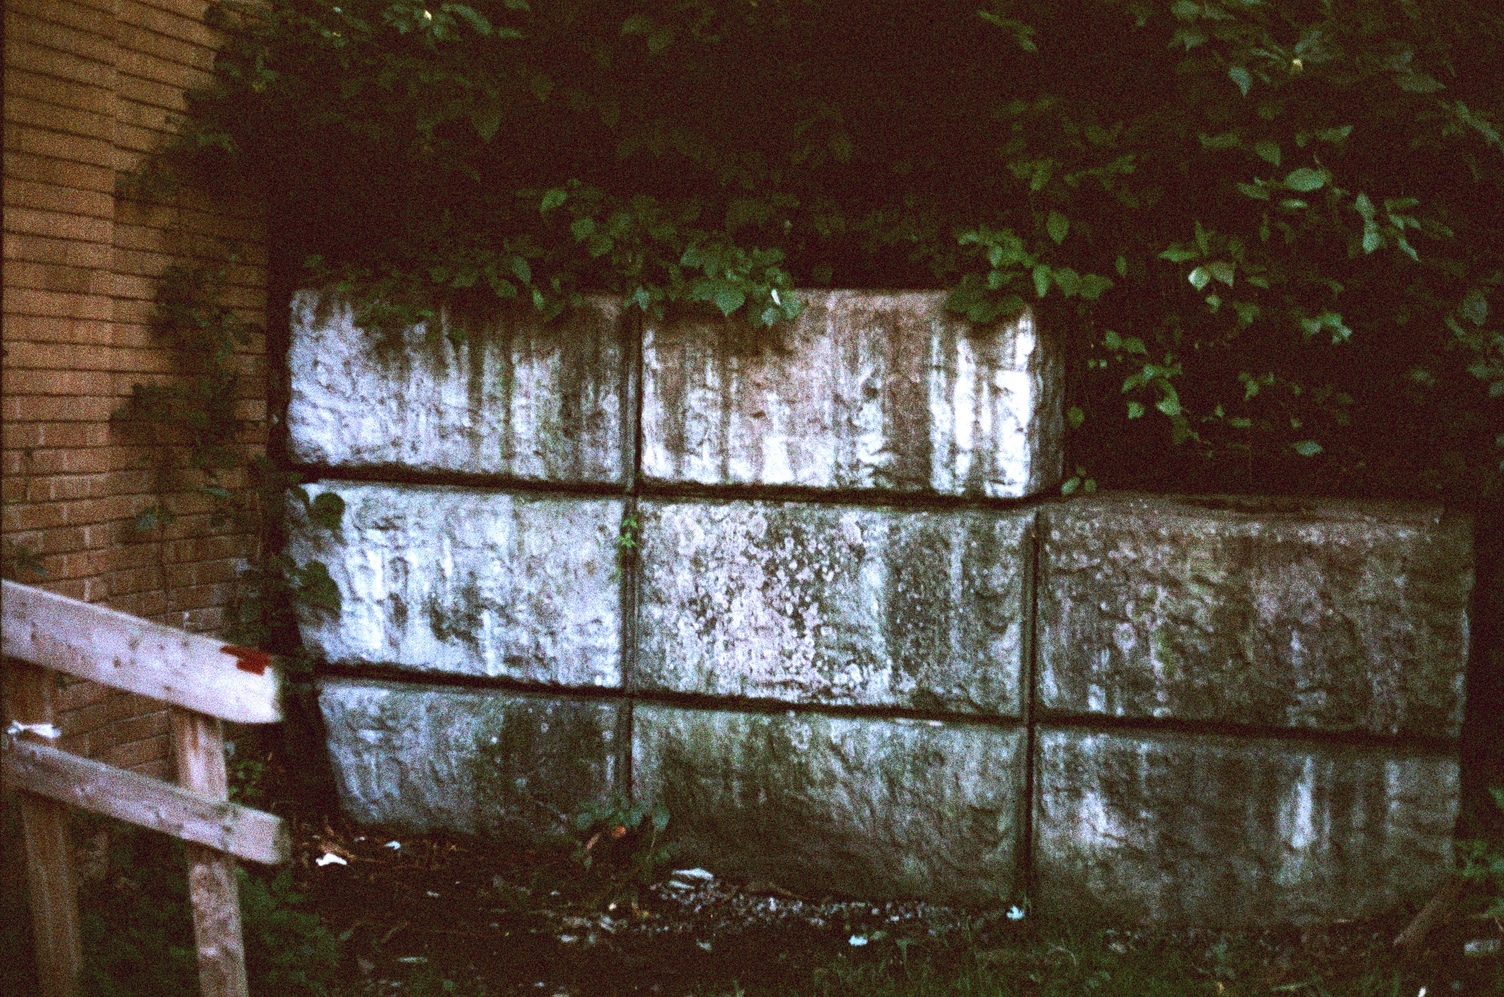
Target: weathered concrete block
458,580
864,807
1215,831
1320,614
824,604
515,397
494,764
869,389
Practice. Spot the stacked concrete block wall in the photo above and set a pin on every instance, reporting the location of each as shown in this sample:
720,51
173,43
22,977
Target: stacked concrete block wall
91,87
813,594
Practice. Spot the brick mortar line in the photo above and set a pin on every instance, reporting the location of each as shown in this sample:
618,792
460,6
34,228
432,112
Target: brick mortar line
677,491
1408,744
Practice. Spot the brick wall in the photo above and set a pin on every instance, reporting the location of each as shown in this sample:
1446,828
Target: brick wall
90,88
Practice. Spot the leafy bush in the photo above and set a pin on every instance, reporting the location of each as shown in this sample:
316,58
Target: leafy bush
1483,863
138,930
622,837
1265,228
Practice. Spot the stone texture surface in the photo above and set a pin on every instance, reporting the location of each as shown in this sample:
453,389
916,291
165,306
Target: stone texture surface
830,604
1331,615
866,389
863,807
493,764
1211,831
515,397
458,580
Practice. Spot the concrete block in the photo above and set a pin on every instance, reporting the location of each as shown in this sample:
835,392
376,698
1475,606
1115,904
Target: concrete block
469,582
865,390
514,397
1328,615
868,808
492,764
1216,831
831,604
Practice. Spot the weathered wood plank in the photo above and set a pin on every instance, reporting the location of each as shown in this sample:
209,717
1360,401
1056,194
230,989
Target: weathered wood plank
49,857
188,670
199,747
147,802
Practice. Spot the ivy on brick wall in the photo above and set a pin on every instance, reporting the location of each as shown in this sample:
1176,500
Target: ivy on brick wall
1269,231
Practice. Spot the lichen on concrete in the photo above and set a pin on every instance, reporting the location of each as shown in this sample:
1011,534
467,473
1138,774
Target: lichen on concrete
837,605
497,765
1338,616
510,395
865,807
469,582
1217,831
865,390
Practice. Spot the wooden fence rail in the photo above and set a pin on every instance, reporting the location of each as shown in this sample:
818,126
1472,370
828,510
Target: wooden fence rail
205,682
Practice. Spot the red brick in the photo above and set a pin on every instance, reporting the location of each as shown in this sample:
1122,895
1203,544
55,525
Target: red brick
96,100
51,197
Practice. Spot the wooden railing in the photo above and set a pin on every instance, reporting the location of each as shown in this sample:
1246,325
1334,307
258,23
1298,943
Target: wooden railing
204,682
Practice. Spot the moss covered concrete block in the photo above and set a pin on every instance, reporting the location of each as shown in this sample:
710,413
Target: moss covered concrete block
865,390
1215,831
497,765
469,582
838,605
509,395
1328,615
870,808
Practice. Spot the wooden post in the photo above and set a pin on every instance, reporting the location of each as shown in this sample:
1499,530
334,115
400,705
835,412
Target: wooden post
198,744
49,855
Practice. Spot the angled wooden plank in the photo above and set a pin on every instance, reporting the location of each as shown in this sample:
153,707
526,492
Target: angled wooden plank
199,748
49,855
151,803
130,653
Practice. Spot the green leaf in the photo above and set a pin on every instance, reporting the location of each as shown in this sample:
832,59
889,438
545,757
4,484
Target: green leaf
1305,179
1169,405
1222,270
552,199
1068,281
583,228
1179,254
522,270
1364,206
1041,280
1199,278
1373,240
1242,78
1121,265
1307,448
327,510
1268,150
1058,226
1135,345
1474,307
1070,485
1112,340
1075,416
728,299
1135,410
1185,10
1256,191
1093,286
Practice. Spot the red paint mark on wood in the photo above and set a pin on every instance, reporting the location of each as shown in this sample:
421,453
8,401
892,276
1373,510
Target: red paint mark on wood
248,659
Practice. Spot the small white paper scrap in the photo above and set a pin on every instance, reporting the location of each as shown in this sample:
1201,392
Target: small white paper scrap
329,858
1015,913
393,845
858,940
48,731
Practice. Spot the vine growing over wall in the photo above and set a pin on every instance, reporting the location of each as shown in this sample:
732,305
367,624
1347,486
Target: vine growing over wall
1264,228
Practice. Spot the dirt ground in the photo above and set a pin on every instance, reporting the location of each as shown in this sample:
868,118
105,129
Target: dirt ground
439,915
